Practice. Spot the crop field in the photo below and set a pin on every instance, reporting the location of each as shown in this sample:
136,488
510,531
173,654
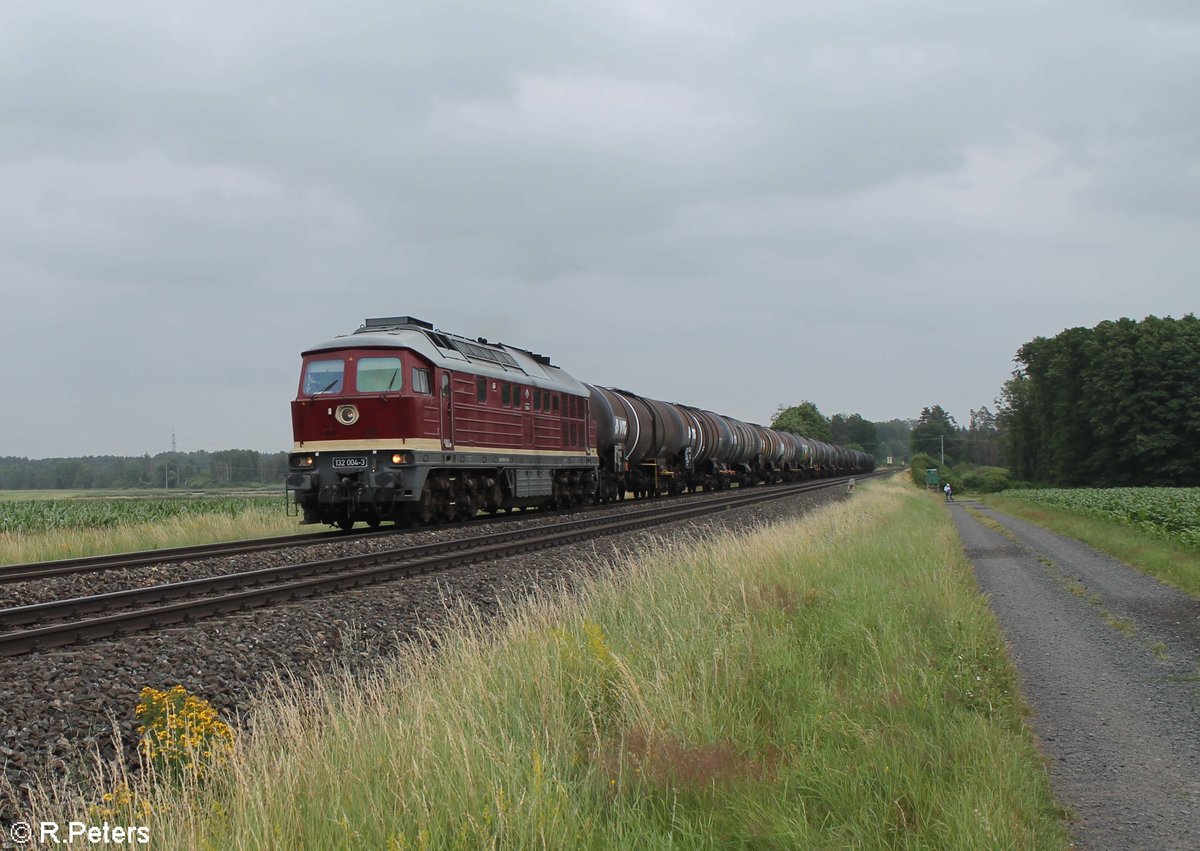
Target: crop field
48,515
60,524
1169,513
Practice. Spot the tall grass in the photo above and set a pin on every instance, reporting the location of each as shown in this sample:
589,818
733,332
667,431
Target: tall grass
253,522
832,682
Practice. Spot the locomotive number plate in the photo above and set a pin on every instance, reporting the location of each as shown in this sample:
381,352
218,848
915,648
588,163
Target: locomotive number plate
350,463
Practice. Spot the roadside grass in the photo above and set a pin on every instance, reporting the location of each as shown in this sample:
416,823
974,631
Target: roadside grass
836,681
1170,562
23,547
134,493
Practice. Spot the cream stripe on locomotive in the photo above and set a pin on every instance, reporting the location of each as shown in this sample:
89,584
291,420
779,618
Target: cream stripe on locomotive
425,445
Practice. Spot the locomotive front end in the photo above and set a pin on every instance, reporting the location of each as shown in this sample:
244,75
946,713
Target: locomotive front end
400,421
354,421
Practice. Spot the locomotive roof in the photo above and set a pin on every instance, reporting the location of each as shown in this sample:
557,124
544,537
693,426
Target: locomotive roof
450,351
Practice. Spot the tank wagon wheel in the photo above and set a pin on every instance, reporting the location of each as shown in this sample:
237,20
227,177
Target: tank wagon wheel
345,524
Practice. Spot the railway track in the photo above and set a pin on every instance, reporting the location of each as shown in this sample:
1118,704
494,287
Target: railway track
32,571
115,561
27,629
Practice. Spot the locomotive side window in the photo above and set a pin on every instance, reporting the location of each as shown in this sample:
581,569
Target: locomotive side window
420,381
481,389
323,376
377,375
505,395
554,402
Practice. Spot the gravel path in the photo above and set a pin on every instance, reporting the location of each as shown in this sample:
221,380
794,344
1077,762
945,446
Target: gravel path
59,704
1109,659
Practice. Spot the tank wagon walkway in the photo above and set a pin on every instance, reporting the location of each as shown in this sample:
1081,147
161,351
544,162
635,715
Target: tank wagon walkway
1109,660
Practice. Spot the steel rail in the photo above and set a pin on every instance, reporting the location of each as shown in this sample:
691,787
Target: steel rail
348,572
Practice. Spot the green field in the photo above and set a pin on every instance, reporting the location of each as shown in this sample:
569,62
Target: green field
1156,530
47,525
45,515
1170,513
833,682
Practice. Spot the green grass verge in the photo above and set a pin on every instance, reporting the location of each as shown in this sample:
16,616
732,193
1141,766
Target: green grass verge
1152,554
835,682
48,545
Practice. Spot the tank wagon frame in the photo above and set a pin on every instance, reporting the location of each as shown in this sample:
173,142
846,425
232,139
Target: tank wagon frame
400,421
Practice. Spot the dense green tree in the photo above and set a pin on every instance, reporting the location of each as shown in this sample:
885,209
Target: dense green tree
1118,404
804,419
894,439
982,439
173,469
934,433
854,431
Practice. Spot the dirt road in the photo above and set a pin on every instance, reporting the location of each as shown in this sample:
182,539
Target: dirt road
1109,659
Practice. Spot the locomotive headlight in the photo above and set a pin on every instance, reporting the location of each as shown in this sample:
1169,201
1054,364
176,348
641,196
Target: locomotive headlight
303,461
402,458
346,414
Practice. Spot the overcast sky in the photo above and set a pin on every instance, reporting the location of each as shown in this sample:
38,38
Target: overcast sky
869,205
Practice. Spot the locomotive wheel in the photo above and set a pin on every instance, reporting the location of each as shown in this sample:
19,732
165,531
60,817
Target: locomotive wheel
345,524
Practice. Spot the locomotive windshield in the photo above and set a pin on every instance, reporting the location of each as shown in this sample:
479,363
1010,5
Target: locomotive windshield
323,376
376,375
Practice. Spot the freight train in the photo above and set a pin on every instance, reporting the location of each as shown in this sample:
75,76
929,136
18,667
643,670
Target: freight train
402,422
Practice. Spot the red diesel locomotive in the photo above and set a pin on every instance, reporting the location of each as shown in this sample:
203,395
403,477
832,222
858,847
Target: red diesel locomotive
399,421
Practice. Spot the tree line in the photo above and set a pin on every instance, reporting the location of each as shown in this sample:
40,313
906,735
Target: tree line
1118,404
199,469
934,433
1113,405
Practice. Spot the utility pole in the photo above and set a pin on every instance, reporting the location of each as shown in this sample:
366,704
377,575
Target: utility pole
942,440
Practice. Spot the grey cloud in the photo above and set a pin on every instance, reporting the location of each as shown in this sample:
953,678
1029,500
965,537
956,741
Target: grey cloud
736,205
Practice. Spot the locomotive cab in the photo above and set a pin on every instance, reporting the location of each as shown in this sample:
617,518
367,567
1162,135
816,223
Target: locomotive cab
399,421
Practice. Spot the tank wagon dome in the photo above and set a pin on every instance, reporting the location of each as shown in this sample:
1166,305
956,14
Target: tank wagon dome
454,352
